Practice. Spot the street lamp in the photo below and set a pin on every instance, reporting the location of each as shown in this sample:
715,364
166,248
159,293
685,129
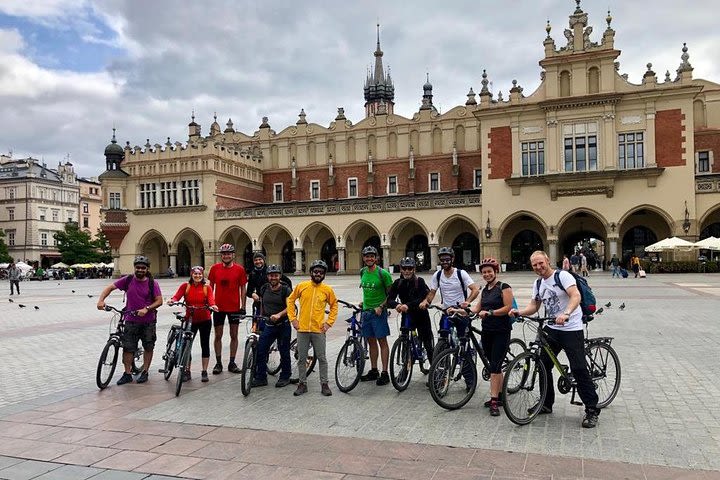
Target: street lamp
488,230
686,222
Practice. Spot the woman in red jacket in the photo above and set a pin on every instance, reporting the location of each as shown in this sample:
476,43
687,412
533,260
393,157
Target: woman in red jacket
197,293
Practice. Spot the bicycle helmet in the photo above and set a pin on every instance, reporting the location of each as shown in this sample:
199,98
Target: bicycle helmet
197,268
490,262
369,250
226,247
258,255
141,260
318,263
446,251
274,269
407,262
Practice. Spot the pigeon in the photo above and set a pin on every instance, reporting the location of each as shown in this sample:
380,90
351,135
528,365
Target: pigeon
607,305
21,305
599,311
89,296
10,300
72,291
622,306
36,307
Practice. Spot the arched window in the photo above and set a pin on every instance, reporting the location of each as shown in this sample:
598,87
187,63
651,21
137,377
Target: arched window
392,145
594,80
331,148
274,157
460,138
564,83
699,113
437,140
311,153
372,145
351,149
415,141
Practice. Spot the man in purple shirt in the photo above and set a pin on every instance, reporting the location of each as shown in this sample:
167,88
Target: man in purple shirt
142,297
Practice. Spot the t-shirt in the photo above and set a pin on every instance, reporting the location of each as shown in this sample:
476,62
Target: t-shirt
274,301
196,297
493,300
556,300
227,282
450,288
137,297
374,291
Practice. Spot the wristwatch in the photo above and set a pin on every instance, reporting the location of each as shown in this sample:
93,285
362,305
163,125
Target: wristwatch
566,313
491,313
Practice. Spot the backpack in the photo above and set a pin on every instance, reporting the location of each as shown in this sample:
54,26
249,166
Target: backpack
151,287
459,275
205,290
588,303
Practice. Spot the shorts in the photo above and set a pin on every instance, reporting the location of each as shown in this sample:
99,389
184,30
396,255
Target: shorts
375,326
143,332
219,318
495,345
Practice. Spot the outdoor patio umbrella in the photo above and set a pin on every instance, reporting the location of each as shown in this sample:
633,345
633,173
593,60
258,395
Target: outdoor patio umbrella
710,243
60,265
672,243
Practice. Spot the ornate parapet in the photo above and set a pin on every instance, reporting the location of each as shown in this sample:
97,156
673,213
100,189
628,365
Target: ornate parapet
339,207
115,227
164,210
707,183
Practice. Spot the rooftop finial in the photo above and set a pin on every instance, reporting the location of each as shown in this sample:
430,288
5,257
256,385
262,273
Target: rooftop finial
577,8
113,139
608,19
548,28
215,116
192,116
685,65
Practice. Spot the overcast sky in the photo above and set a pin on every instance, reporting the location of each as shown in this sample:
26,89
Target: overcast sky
71,69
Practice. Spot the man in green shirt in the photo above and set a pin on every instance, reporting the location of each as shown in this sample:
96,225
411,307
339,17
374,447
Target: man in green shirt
375,283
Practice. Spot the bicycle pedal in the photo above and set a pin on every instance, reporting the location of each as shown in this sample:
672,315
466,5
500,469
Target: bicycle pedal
161,370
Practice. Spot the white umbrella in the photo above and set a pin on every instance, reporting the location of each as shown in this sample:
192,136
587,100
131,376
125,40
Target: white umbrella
110,265
672,243
710,243
4,265
23,266
60,265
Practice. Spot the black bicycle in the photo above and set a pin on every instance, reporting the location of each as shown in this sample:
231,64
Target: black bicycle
526,380
453,373
274,359
447,335
249,364
406,351
110,352
178,350
351,358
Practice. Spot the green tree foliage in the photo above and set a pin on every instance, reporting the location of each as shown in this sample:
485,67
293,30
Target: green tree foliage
103,246
77,246
4,256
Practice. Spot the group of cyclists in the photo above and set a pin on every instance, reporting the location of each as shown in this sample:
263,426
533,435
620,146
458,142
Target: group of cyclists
311,309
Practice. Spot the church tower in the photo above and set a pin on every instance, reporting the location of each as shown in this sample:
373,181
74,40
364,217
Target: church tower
379,89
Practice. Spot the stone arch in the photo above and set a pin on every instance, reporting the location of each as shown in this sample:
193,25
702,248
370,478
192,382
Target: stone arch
240,238
712,215
593,77
564,80
409,237
583,229
154,246
318,241
189,249
640,227
667,219
463,235
444,227
356,235
273,240
521,234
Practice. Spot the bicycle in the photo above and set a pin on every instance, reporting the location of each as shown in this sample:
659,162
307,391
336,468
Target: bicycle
407,350
274,359
526,383
178,349
456,363
107,364
249,364
351,358
447,335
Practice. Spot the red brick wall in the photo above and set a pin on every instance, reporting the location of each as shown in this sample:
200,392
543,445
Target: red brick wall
500,160
270,179
669,135
709,141
425,166
242,196
468,164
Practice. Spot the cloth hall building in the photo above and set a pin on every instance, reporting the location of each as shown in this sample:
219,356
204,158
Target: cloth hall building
586,155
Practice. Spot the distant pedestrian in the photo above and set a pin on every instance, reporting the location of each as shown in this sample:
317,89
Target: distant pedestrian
635,264
575,262
615,266
14,276
584,265
566,263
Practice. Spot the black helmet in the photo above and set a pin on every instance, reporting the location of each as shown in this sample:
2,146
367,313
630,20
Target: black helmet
318,263
226,247
446,251
258,254
407,262
141,259
370,250
274,269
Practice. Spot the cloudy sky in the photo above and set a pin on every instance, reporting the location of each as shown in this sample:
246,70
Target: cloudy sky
71,69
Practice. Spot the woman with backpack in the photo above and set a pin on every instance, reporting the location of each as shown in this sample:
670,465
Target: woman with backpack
197,293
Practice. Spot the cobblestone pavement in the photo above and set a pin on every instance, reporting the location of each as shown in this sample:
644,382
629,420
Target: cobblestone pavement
664,423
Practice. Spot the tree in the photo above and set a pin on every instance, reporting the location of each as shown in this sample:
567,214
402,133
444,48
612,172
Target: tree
76,246
103,246
4,256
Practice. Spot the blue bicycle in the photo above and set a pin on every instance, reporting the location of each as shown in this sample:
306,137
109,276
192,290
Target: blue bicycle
351,359
407,350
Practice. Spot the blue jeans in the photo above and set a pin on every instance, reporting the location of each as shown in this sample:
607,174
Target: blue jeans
270,333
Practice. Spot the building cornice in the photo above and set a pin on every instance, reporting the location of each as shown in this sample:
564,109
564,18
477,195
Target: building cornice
165,210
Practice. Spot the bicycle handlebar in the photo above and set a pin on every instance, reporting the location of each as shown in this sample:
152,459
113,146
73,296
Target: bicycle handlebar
190,307
538,320
255,317
354,307
123,312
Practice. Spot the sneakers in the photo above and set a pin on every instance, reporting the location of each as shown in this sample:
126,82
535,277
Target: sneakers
126,378
383,380
204,376
543,410
494,410
233,368
186,376
294,381
325,390
217,369
283,382
258,383
143,377
591,419
301,388
371,375
487,404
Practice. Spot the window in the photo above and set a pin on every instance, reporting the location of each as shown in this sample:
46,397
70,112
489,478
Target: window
277,192
54,239
54,195
190,192
533,158
11,214
86,207
43,212
392,186
11,193
315,190
580,147
147,195
41,192
114,201
43,239
703,162
70,216
477,174
86,222
11,238
630,150
434,182
352,187
55,215
168,194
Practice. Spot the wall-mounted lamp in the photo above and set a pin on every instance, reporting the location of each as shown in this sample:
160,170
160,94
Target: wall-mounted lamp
613,226
552,229
384,238
432,235
488,230
296,241
210,244
686,222
338,238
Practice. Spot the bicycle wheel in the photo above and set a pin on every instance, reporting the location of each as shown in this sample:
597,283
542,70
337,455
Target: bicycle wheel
309,363
248,368
273,362
453,378
138,359
604,367
349,365
524,388
184,355
107,363
170,355
425,362
401,363
441,345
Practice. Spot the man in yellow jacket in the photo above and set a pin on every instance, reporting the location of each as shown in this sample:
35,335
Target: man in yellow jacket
311,324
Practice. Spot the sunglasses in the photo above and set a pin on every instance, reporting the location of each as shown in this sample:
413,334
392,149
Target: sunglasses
318,272
407,268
